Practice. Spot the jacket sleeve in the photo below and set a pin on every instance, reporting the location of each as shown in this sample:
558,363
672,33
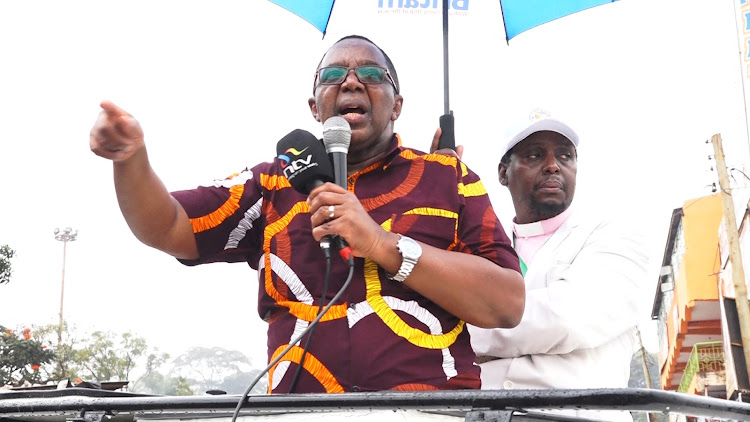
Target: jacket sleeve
587,299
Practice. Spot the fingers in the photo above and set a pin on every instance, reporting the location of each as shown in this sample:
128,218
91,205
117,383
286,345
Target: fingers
336,211
448,151
436,140
325,187
116,134
327,202
458,153
111,109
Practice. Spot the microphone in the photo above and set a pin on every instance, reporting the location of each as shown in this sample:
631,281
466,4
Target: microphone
304,162
337,136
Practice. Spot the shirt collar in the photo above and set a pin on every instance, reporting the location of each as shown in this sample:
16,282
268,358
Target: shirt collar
394,150
543,227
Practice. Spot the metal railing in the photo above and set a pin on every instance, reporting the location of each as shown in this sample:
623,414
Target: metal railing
82,405
705,357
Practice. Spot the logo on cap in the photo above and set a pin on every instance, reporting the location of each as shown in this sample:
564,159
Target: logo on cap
539,114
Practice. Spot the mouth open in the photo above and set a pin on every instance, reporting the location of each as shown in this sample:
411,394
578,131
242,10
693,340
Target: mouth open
351,110
352,114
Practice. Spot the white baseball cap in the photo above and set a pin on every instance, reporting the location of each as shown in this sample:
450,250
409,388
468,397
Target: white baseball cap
536,120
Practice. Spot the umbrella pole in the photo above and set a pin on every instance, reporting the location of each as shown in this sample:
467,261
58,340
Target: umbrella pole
446,92
447,137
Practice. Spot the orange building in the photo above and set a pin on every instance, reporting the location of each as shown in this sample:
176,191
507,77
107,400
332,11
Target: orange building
687,301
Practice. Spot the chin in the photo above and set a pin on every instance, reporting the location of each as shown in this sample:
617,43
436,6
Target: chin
548,210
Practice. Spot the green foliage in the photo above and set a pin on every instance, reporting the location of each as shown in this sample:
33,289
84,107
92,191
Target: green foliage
102,359
217,369
106,356
21,357
156,383
182,388
6,253
62,368
100,356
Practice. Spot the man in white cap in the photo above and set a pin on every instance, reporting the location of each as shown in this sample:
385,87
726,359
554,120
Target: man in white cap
584,276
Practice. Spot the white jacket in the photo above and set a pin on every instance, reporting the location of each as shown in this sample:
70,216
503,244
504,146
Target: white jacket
584,297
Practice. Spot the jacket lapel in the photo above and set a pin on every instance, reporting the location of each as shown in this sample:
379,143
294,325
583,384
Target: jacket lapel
546,254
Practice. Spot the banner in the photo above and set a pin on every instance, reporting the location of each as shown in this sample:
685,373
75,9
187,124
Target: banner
743,32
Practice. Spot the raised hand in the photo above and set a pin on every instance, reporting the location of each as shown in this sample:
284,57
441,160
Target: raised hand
459,152
116,134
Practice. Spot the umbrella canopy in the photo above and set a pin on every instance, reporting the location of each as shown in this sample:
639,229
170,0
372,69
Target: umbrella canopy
522,15
517,15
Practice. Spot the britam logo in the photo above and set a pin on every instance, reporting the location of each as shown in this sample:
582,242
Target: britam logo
292,162
421,4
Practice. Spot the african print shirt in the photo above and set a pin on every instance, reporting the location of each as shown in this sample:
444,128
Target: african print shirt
381,335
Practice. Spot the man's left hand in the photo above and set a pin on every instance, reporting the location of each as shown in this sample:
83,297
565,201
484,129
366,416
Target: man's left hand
458,153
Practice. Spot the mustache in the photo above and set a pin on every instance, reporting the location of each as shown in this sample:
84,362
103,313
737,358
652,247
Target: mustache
557,181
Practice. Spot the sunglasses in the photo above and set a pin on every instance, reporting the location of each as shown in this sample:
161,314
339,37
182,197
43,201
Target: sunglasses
369,75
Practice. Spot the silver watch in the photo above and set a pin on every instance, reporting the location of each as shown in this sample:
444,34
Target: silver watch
410,252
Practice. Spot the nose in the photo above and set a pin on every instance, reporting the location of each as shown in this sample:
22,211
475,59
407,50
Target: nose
551,165
351,81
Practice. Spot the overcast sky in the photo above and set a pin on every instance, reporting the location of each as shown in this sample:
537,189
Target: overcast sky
216,84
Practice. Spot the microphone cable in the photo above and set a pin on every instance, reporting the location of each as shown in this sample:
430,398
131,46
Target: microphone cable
312,331
295,340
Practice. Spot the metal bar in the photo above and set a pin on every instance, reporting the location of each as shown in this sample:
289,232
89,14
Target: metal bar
629,399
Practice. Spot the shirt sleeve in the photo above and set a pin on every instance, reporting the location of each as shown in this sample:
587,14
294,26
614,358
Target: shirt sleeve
479,230
226,218
587,302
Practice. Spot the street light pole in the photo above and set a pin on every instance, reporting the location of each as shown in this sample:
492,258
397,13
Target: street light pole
67,235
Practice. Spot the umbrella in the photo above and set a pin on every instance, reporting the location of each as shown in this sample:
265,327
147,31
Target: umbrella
517,16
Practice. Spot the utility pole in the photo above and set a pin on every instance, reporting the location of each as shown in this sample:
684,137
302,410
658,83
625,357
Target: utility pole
735,253
67,235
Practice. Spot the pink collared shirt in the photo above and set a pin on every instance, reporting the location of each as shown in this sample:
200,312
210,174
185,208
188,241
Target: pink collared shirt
529,238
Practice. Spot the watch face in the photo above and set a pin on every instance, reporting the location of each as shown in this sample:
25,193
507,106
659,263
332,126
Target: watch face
409,248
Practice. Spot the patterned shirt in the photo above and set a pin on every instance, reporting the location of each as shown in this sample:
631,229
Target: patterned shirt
381,335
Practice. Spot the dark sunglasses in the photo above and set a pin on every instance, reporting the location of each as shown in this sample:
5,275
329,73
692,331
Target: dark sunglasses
370,75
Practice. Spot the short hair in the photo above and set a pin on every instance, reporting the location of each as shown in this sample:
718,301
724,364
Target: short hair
389,64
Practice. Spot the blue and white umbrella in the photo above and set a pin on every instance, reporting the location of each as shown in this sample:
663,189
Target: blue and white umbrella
517,16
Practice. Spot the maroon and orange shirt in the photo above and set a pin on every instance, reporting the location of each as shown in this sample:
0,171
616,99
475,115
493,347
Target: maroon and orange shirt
381,335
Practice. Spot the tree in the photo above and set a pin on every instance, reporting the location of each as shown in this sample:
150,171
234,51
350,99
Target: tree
157,383
6,253
153,382
21,357
217,369
102,360
100,356
62,369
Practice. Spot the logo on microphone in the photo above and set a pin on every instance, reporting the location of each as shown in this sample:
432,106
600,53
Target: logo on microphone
284,158
292,165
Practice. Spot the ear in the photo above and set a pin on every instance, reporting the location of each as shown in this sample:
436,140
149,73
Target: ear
502,173
398,102
313,107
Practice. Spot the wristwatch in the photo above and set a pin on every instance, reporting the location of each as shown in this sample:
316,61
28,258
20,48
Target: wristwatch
410,252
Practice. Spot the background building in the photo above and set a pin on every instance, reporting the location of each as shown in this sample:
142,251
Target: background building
687,301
